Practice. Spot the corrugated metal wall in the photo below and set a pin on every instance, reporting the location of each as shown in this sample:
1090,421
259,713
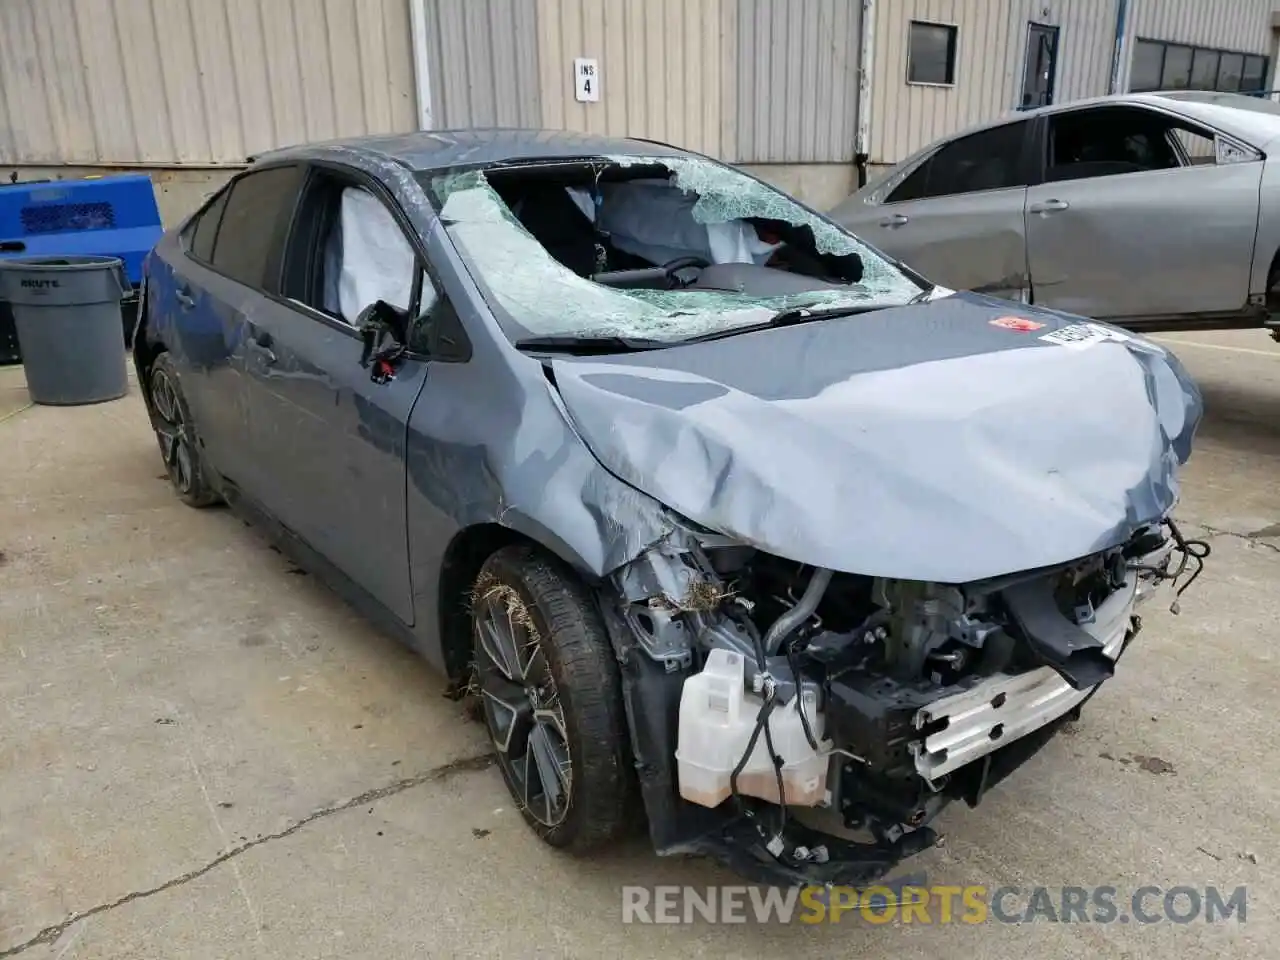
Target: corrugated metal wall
200,82
484,63
1086,45
797,80
1243,25
991,51
662,72
207,82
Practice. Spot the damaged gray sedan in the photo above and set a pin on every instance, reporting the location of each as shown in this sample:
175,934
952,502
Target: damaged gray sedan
727,521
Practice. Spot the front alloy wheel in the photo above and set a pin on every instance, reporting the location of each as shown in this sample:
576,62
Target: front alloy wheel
522,706
551,696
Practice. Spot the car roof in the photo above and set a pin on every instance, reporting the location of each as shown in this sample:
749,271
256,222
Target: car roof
442,149
1252,119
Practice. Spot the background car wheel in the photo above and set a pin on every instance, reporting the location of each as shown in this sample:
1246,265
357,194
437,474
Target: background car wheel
171,419
551,696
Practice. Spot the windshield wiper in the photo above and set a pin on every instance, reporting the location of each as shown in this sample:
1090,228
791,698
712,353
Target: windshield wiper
788,317
590,345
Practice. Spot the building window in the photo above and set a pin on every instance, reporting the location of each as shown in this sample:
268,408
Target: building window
1175,66
931,53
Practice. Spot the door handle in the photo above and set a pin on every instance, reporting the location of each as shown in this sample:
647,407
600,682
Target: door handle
1049,206
894,220
185,300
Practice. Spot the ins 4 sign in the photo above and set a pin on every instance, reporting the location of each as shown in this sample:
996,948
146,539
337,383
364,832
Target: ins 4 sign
586,79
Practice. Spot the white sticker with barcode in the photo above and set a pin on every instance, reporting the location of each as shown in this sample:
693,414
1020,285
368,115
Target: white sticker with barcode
1084,335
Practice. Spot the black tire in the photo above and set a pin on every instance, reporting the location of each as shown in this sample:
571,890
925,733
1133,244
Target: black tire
175,432
553,619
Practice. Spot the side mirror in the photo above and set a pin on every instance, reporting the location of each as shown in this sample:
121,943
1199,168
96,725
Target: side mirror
385,331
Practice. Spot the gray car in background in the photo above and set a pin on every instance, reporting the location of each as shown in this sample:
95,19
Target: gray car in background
1154,211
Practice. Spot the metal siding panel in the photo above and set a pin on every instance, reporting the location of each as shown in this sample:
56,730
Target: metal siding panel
760,69
614,60
636,119
135,35
67,102
184,97
661,64
490,72
455,91
575,113
786,57
524,38
821,82
694,51
676,89
311,39
846,54
593,45
797,79
197,82
482,67
284,73
397,57
551,64
22,84
250,77
730,141
716,60
1243,25
224,110
654,44
346,66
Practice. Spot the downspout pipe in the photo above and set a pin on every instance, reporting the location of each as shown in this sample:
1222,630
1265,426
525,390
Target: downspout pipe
866,61
421,63
1117,53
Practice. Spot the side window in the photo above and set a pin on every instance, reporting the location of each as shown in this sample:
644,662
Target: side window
349,251
256,215
914,186
1117,140
205,229
988,160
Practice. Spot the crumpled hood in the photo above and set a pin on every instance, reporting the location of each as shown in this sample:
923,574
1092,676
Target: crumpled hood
943,442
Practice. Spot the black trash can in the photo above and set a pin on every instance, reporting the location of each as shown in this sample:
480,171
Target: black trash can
67,314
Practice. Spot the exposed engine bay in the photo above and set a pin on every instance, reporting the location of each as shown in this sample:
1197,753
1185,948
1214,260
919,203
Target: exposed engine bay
759,687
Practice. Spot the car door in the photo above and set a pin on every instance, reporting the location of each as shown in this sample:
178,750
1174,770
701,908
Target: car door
331,435
202,287
1140,215
958,217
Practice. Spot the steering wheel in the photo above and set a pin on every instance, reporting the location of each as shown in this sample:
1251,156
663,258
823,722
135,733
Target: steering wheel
672,267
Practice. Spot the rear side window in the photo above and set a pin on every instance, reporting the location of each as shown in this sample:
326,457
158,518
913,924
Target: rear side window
205,231
254,219
988,160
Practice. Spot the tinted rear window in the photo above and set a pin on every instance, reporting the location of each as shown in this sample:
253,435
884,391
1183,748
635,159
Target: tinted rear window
251,236
205,231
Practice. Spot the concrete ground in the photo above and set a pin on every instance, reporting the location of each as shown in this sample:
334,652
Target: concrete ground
203,753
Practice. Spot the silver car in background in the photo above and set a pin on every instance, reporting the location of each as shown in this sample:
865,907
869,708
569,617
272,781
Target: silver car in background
1153,211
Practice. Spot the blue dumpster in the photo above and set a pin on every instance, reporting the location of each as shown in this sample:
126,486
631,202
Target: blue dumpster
113,216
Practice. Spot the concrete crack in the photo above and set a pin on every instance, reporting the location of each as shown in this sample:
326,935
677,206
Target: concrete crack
51,933
1253,538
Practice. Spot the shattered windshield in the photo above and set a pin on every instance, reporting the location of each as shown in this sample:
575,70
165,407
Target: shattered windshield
650,247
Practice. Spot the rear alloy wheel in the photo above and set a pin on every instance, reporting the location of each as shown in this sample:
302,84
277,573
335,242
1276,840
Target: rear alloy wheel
171,419
551,697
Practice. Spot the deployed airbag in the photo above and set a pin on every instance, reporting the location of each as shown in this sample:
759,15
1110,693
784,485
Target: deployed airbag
367,257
